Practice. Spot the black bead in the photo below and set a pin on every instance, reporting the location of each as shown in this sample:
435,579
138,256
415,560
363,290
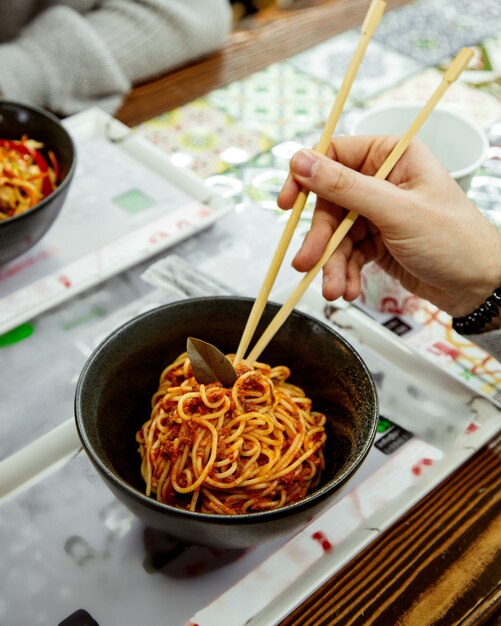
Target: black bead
474,322
458,323
496,297
491,308
484,313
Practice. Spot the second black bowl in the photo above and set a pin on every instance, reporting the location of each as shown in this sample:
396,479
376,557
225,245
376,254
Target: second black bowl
20,233
113,399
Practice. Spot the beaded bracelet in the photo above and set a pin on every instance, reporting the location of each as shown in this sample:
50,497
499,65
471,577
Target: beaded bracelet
473,323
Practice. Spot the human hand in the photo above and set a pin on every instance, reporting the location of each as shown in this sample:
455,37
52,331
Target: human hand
417,225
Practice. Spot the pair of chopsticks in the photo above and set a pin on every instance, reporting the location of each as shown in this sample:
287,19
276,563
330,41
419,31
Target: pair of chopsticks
369,26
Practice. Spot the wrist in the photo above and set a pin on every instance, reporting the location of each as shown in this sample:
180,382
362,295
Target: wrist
494,324
484,277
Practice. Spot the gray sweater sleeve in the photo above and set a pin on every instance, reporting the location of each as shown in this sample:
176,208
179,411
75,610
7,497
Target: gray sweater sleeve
66,60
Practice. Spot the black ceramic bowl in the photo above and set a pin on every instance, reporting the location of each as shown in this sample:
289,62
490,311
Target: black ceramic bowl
21,232
113,399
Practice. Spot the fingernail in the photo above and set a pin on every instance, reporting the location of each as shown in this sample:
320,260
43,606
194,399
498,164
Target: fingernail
303,163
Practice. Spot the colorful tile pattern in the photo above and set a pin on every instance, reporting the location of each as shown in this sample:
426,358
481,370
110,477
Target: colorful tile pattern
485,189
454,353
484,71
381,68
279,101
477,104
262,178
431,30
203,138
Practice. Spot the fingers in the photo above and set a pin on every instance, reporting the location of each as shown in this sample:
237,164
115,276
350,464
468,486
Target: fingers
353,280
389,212
341,274
401,220
346,176
377,200
324,222
365,154
289,193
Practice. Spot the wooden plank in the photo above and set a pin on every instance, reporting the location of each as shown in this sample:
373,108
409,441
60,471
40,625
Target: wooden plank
439,565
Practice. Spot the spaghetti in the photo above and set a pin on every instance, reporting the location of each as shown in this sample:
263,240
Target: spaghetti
256,446
26,177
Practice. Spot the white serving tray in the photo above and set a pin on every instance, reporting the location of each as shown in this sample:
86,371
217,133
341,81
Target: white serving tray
127,202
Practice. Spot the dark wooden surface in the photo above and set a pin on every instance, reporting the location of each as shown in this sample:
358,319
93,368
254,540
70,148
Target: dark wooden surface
440,565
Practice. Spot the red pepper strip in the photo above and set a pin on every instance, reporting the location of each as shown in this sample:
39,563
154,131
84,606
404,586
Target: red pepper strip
15,145
55,165
47,186
22,149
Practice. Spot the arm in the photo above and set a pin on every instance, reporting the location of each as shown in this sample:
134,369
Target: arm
67,61
418,225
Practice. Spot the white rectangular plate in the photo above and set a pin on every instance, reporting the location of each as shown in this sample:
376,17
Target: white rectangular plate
126,203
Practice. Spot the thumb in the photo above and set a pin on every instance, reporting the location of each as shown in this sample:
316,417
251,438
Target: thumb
373,198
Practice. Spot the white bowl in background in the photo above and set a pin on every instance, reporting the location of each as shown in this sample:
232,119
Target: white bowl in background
458,143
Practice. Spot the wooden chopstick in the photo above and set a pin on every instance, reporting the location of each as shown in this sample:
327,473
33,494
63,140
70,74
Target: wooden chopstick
371,21
458,64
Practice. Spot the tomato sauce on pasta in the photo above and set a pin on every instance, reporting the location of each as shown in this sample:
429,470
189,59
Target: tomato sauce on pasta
256,446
